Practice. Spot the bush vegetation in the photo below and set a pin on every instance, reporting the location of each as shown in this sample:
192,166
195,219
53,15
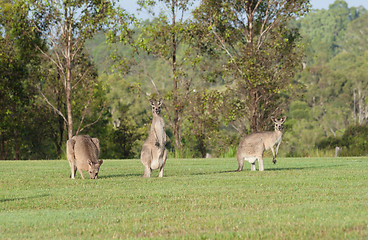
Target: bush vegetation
353,142
328,110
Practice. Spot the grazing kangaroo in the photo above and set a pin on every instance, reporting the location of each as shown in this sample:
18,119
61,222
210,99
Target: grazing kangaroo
253,146
154,153
82,152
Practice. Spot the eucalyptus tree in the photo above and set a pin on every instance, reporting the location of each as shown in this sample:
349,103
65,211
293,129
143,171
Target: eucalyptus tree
356,44
263,54
65,26
167,37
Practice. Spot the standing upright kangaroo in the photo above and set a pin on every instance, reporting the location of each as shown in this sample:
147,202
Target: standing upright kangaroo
253,146
154,153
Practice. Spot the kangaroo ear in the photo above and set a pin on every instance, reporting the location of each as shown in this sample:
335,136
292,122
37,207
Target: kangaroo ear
159,102
90,163
283,119
273,119
100,162
152,102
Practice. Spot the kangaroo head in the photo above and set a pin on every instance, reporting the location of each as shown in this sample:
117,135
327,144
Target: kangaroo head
279,124
94,168
156,106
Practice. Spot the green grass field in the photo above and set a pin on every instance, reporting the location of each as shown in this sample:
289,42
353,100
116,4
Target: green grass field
298,198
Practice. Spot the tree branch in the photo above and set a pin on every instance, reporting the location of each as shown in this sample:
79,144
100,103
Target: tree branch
264,22
82,77
158,93
83,116
79,44
98,119
227,51
151,79
235,127
50,104
47,56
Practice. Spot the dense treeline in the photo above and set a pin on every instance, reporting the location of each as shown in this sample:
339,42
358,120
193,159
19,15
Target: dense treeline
334,97
222,91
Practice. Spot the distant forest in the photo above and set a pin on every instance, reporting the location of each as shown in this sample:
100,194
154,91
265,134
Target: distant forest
323,90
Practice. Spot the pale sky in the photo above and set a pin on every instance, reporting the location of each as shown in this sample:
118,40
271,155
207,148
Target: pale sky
318,4
131,6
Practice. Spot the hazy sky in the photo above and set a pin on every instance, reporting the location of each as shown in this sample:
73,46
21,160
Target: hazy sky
131,5
351,3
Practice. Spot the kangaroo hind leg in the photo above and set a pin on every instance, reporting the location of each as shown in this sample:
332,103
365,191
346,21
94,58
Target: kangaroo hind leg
253,166
161,174
147,172
240,163
260,163
146,159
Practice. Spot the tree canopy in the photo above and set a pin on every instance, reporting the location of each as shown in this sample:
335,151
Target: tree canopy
231,72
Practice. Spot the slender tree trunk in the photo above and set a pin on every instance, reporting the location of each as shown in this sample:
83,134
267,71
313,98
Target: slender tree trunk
61,133
16,145
253,111
203,145
177,107
68,88
2,153
354,107
252,92
69,105
360,107
250,24
59,138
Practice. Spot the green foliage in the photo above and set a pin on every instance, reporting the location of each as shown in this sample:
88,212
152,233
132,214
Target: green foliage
353,142
78,20
168,38
355,40
19,68
323,107
231,152
124,139
216,92
330,142
324,29
299,110
298,198
262,52
334,93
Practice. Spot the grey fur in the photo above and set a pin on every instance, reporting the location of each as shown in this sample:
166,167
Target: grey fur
82,153
154,153
252,147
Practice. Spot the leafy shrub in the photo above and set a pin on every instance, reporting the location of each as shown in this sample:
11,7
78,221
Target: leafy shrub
329,143
354,141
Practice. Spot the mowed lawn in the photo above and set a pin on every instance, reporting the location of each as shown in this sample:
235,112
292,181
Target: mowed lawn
298,198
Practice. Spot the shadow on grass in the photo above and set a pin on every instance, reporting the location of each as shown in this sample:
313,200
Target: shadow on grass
307,167
228,171
285,169
211,173
291,168
121,175
23,198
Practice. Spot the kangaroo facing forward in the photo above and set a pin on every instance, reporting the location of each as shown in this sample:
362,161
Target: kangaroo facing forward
154,153
252,147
